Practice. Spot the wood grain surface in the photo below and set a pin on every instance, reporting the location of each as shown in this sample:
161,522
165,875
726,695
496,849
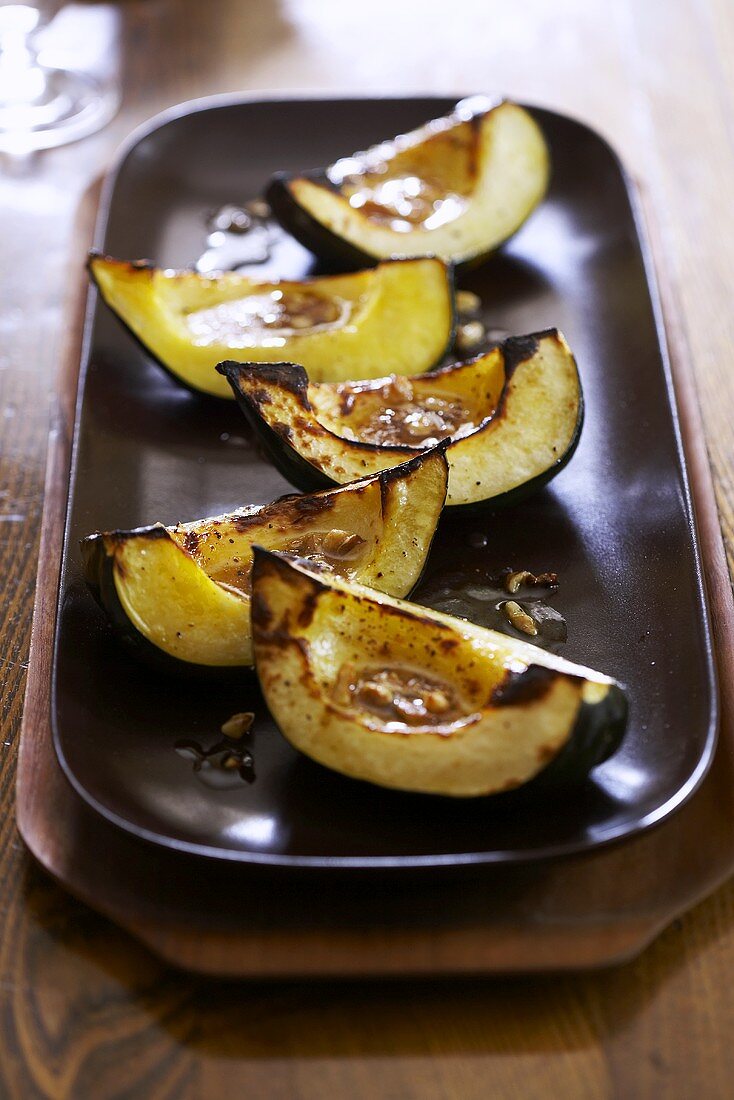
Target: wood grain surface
85,1011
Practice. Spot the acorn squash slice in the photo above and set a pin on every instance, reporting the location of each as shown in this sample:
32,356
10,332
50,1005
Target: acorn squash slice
184,591
406,697
397,317
455,188
512,417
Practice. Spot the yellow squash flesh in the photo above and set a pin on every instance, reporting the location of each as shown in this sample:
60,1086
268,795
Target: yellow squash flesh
524,396
395,317
491,165
520,706
186,589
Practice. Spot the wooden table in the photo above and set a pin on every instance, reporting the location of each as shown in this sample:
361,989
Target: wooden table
85,1011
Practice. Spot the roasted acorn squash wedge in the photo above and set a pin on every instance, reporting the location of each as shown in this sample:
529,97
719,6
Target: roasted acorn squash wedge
406,697
184,591
397,317
456,188
519,409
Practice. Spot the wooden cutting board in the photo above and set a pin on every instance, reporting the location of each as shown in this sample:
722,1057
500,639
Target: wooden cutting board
581,912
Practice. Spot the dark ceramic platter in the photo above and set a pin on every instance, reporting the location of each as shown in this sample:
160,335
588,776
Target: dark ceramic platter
616,523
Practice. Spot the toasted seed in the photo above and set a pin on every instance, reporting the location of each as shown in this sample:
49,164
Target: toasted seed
240,222
375,694
231,762
519,618
259,207
436,702
467,301
513,581
238,725
231,219
340,544
470,335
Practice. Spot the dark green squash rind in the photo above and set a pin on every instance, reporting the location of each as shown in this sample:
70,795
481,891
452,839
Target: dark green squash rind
332,250
597,734
99,574
287,461
307,477
145,265
516,350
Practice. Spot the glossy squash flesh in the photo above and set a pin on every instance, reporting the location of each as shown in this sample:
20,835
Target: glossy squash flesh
184,591
397,317
513,418
405,697
455,188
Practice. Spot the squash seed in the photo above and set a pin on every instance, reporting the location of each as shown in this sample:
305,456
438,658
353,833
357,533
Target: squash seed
519,618
374,694
470,335
467,301
513,581
436,701
259,207
340,544
238,725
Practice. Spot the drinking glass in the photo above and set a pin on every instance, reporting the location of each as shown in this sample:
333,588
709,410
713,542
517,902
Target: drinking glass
44,105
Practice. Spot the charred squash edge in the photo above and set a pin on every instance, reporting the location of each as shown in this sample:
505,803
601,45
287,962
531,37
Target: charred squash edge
98,570
334,250
597,732
148,265
301,473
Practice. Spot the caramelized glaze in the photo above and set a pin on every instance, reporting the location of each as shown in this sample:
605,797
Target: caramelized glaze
390,414
400,696
261,319
340,551
401,203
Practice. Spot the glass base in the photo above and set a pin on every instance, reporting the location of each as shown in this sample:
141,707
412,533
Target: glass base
70,106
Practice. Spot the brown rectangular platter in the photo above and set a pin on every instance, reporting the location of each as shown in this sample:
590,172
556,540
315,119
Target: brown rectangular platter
615,524
203,913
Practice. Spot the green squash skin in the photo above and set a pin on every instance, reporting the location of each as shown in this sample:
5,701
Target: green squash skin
306,477
331,249
98,571
144,265
597,734
287,461
99,574
94,254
